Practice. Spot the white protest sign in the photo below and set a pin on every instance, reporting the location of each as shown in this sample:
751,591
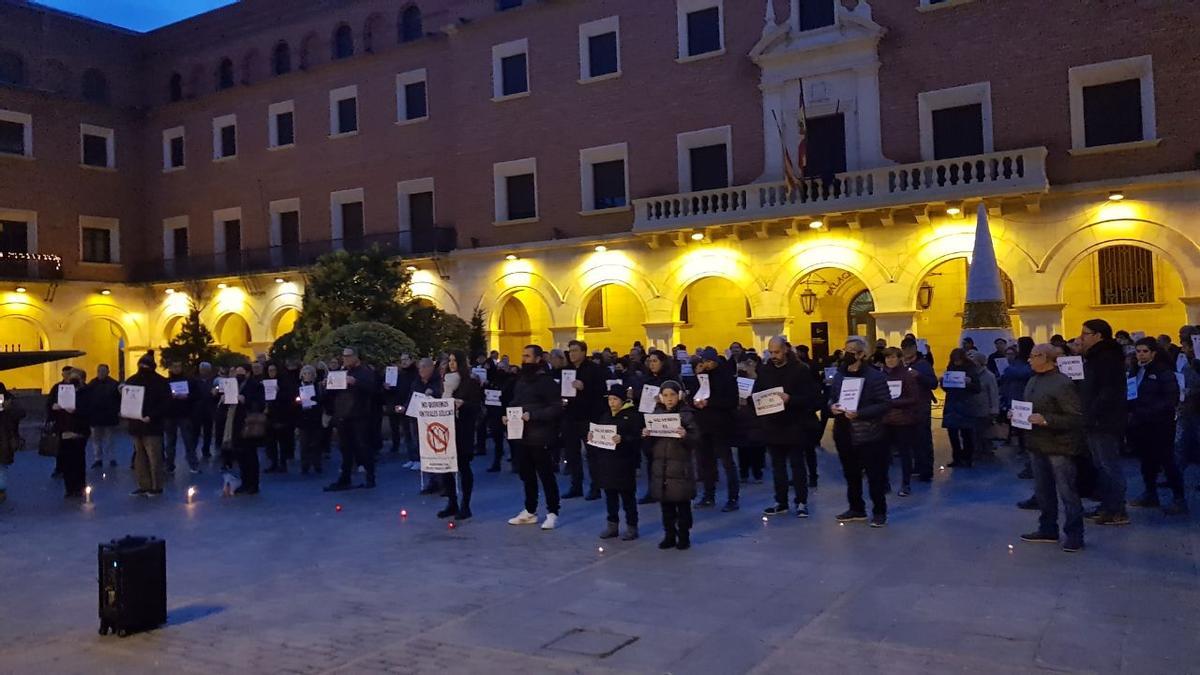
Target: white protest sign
681,355
414,404
954,379
335,380
66,397
568,383
1181,362
686,370
479,373
663,425
1196,346
895,387
649,398
492,397
308,395
704,392
745,387
1021,410
609,384
435,429
391,375
768,401
1131,389
830,373
270,389
850,393
1001,364
922,346
603,436
179,387
1071,366
229,391
515,423
132,396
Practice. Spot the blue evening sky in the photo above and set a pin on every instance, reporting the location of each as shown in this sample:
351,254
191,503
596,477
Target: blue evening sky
139,15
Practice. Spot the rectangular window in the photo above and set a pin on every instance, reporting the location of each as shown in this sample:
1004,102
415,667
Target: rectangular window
514,75
704,31
420,210
1126,275
179,242
224,137
95,150
173,156
347,115
14,236
176,153
229,141
600,49
826,146
608,184
414,101
96,245
285,130
352,221
281,124
12,137
1112,113
602,54
233,235
709,166
816,14
958,131
522,202
289,230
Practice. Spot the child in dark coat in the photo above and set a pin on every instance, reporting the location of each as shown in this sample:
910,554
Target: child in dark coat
672,469
616,469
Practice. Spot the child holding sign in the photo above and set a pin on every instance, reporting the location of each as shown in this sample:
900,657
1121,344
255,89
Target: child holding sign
616,460
672,471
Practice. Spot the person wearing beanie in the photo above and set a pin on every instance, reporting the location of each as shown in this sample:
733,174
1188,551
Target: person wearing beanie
616,469
147,432
672,469
716,405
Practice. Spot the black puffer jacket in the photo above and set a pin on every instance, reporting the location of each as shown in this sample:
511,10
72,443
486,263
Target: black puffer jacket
717,416
1102,389
538,395
672,470
799,416
874,402
617,469
1157,397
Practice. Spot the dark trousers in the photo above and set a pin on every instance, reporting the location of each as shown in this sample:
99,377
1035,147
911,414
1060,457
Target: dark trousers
414,445
481,435
923,446
962,445
1054,479
677,517
536,463
247,458
647,458
374,435
614,499
574,433
714,447
175,429
781,457
465,450
310,447
72,457
354,440
857,459
810,456
1155,445
205,428
281,444
398,428
900,439
752,460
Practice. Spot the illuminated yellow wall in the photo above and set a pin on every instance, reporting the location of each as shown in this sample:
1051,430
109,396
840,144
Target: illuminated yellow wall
716,315
234,333
623,319
285,323
173,328
941,324
524,320
99,338
829,308
17,334
1080,293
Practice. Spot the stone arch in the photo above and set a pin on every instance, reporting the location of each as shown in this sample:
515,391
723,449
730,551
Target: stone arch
252,67
310,51
56,77
409,26
99,337
425,286
623,313
520,316
284,321
172,327
834,286
713,309
341,42
232,330
518,275
20,331
702,263
373,33
281,58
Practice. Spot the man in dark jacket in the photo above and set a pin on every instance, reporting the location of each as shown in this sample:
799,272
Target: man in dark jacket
715,416
540,401
927,383
351,413
180,419
583,408
428,384
206,380
147,432
396,396
1052,443
104,397
787,433
1102,394
859,433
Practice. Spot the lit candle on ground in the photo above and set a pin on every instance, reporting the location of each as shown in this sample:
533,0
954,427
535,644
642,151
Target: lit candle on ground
764,519
337,507
190,494
600,550
403,513
87,493
450,525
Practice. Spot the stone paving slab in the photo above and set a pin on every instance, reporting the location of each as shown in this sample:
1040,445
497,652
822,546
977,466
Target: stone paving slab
285,583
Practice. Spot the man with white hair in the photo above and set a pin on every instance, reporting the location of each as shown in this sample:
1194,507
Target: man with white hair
859,434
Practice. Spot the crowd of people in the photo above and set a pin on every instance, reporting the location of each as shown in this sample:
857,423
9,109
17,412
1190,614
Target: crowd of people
1071,408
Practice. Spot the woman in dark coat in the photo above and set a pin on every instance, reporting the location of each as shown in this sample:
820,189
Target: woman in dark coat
659,369
468,396
73,430
308,419
673,469
244,446
900,422
958,415
1152,424
616,470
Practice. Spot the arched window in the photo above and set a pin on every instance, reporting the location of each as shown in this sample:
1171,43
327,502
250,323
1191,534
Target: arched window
225,74
175,88
372,32
310,53
593,312
343,42
281,59
12,69
410,24
95,86
860,316
1126,275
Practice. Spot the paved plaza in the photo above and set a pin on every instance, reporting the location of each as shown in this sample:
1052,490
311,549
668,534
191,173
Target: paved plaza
285,583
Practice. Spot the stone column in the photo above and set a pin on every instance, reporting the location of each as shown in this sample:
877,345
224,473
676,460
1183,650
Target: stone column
1040,321
765,328
664,335
564,334
1191,304
892,326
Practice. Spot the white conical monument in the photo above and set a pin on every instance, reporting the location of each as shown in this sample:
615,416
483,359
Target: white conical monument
985,313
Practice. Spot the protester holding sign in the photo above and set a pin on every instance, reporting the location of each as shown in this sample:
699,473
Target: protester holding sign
395,398
69,409
1152,425
1102,393
583,408
351,412
960,416
310,393
497,392
281,415
1057,422
616,467
467,393
927,384
659,369
425,384
788,432
537,395
751,454
147,431
715,402
672,471
859,434
900,422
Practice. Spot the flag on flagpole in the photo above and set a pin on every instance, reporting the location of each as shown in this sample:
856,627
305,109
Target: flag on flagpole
790,179
793,169
802,129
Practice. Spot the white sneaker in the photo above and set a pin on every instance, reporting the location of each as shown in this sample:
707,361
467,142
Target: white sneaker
550,521
523,518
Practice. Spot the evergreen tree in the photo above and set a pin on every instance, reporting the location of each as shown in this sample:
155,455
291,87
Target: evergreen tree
477,343
193,344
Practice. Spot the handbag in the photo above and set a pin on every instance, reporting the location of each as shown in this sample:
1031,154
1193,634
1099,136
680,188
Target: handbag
49,442
255,427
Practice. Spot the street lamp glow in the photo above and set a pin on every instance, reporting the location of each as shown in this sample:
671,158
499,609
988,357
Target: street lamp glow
170,291
105,291
222,285
697,236
601,248
1116,196
815,224
510,257
410,268
953,211
279,280
21,289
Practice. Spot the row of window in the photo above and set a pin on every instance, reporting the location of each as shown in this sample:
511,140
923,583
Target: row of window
93,84
99,238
